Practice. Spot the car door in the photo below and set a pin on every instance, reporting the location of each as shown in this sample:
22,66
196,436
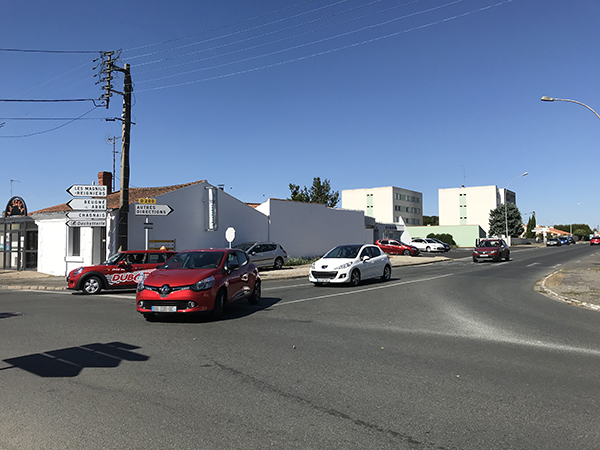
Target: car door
234,282
257,255
368,265
379,261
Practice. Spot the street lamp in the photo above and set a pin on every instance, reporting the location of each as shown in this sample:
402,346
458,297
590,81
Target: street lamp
506,206
550,99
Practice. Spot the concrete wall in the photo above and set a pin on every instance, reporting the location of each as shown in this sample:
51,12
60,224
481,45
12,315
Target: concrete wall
310,229
464,235
467,206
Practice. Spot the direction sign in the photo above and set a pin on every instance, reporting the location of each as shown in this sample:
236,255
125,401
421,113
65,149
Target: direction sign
87,204
153,210
86,223
82,190
88,215
148,201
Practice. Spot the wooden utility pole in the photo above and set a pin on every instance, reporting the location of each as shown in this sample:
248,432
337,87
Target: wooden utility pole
124,192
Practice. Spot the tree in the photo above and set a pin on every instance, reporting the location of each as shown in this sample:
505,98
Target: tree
444,237
575,227
531,224
497,222
431,220
320,192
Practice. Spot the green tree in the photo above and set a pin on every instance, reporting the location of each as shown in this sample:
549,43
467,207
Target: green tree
431,220
531,224
444,237
319,192
497,222
575,227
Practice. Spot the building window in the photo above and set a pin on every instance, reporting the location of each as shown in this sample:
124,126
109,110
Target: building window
74,241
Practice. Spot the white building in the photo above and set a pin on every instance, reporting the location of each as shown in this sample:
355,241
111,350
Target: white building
471,205
386,204
201,214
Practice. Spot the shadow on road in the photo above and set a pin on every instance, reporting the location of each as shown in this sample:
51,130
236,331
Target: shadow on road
69,362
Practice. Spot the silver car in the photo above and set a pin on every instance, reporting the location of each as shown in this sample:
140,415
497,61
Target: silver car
427,245
265,254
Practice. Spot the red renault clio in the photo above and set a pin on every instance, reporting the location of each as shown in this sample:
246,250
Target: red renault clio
199,281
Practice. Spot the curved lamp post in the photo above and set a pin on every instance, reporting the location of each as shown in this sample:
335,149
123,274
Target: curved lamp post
550,99
506,205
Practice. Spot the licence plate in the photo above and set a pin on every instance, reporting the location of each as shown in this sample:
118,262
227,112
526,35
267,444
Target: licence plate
164,309
484,256
327,280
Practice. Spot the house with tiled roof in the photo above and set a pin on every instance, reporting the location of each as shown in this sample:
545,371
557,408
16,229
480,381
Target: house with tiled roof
201,213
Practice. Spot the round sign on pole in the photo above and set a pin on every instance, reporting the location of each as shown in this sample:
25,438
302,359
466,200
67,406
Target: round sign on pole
230,235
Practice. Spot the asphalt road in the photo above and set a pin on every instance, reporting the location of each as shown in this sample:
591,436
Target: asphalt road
452,355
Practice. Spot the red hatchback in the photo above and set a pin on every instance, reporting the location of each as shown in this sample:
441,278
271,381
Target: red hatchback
123,270
394,247
199,281
595,240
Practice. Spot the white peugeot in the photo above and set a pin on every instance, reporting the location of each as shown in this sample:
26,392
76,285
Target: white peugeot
427,245
350,264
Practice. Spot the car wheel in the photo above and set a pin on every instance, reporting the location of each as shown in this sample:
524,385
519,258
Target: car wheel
406,252
150,317
428,249
474,259
507,256
355,277
219,308
255,297
387,273
278,263
91,285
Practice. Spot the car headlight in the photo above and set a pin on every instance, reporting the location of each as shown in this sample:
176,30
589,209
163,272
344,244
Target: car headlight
140,286
203,285
313,266
77,271
344,266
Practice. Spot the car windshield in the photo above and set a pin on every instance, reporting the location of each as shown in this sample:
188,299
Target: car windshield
245,246
489,244
195,260
114,259
344,251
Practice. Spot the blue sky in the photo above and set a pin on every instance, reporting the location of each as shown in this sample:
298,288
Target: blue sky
421,95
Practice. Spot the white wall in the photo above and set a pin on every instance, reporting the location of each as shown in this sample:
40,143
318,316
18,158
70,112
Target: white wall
479,201
310,229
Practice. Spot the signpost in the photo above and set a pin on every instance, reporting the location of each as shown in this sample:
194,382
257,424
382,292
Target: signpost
230,235
148,207
87,211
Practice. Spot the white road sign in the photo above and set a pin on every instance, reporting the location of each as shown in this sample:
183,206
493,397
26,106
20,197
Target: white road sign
87,204
87,215
82,190
152,210
86,223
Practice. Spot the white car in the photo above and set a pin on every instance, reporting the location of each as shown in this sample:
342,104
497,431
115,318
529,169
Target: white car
427,245
351,264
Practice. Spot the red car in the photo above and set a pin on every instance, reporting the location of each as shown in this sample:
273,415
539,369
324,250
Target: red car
394,247
595,240
491,249
123,270
199,281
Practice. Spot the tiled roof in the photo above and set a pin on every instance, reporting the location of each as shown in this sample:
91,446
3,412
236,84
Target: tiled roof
135,194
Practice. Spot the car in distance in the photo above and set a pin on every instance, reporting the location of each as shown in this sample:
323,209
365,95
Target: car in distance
553,242
595,240
199,281
265,254
446,246
394,247
427,245
571,240
564,240
351,264
123,270
491,249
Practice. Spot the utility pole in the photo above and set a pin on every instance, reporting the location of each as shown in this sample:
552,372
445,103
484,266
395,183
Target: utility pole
108,67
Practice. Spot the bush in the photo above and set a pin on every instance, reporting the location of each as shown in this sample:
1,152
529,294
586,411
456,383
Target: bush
444,237
301,261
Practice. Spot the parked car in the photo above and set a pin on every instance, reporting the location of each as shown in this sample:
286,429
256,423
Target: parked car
571,240
123,270
199,281
446,246
351,264
394,247
553,242
265,254
564,240
427,245
491,249
595,240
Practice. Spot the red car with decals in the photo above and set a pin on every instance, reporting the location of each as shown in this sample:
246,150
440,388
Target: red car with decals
123,270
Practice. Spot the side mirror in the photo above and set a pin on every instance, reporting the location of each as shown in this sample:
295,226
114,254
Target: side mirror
365,258
159,266
233,266
122,263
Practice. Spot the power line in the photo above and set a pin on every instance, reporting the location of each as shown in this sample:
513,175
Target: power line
22,50
51,129
9,100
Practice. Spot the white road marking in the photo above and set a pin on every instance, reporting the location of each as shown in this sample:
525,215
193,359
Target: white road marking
358,291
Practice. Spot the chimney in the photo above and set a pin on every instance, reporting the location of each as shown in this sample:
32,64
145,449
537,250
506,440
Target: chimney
105,179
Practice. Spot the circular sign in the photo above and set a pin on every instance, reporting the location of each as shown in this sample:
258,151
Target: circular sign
230,234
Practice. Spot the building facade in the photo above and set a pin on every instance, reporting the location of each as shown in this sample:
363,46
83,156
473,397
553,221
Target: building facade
471,205
386,204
